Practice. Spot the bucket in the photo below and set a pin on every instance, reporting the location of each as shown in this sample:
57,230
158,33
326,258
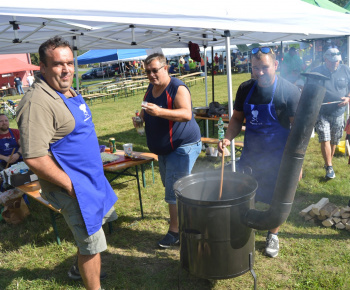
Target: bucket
214,243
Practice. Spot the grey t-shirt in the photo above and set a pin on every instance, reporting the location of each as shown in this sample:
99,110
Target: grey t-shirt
337,87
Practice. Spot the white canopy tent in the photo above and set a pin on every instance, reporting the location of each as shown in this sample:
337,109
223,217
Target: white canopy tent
24,25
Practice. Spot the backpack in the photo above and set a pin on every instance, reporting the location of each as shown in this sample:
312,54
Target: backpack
215,109
194,51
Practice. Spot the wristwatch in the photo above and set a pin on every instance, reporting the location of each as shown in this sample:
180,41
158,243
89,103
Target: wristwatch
19,153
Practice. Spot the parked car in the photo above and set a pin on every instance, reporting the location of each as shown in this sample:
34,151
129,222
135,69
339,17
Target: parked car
101,72
91,74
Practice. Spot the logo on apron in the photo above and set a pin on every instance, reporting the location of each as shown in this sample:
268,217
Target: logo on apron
7,146
254,120
86,113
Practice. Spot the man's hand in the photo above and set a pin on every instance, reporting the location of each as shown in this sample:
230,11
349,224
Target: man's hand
223,144
346,101
14,158
152,109
71,191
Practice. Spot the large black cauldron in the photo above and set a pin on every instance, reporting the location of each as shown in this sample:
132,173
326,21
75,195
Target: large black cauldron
215,244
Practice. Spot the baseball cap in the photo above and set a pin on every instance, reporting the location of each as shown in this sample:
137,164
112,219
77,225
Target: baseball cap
332,54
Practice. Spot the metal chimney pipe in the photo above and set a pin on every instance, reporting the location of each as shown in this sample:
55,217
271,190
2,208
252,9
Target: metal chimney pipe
293,156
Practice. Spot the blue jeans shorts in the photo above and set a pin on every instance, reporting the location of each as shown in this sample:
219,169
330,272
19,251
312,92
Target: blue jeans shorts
330,128
87,245
177,164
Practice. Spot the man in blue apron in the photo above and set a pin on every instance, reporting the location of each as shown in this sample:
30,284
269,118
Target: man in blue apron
268,103
60,145
9,142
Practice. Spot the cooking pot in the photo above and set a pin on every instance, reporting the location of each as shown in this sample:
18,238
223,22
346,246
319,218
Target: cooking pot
201,111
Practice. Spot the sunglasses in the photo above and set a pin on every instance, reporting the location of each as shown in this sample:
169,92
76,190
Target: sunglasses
154,71
263,49
334,53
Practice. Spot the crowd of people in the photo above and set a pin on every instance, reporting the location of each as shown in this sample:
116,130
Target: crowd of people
53,119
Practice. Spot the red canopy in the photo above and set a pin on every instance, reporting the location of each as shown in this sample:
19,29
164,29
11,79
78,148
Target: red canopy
11,65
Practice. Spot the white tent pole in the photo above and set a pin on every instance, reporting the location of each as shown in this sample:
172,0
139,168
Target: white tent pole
206,89
229,92
75,54
348,55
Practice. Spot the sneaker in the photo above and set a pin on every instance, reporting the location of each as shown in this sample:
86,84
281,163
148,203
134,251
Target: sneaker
170,239
329,172
272,245
74,274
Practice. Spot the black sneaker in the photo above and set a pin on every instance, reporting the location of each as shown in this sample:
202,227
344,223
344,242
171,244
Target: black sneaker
74,274
170,239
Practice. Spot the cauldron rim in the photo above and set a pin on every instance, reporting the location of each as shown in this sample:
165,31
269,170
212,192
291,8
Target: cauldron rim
214,175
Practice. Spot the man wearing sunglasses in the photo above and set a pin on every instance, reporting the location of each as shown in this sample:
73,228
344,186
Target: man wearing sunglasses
330,123
268,103
172,132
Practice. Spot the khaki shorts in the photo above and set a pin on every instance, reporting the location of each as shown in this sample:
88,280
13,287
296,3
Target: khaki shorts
69,207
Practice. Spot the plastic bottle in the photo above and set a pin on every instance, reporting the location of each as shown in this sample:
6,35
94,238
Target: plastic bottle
221,132
139,124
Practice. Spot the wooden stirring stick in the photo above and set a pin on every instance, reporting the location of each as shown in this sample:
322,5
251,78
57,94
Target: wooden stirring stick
8,162
222,173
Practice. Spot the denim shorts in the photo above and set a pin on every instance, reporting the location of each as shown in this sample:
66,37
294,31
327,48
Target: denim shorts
177,164
330,128
69,207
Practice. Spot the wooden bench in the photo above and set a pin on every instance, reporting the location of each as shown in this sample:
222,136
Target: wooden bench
33,190
193,80
92,97
238,144
139,87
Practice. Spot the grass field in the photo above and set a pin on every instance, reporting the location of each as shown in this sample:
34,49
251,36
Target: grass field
311,256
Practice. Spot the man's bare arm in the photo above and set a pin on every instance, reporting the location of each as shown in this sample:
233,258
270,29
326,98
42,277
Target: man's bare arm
48,169
233,129
182,111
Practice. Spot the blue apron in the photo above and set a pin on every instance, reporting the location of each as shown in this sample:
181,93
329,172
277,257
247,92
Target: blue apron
264,143
79,156
7,145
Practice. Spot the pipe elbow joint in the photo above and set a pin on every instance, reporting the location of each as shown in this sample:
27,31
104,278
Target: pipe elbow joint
269,219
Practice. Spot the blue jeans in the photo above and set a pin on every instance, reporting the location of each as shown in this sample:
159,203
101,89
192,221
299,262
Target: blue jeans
177,164
20,89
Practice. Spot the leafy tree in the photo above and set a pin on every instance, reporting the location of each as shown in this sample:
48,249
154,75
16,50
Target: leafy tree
35,58
341,3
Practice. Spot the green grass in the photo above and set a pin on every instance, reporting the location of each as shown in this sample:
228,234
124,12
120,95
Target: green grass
311,256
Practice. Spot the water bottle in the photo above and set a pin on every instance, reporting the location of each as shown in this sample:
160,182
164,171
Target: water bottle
139,124
221,132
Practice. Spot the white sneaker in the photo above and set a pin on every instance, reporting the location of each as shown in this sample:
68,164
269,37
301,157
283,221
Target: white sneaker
272,246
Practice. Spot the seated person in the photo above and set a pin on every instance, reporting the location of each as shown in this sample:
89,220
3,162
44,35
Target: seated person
192,65
172,69
9,140
185,68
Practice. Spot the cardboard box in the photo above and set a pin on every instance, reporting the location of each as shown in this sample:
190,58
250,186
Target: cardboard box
20,179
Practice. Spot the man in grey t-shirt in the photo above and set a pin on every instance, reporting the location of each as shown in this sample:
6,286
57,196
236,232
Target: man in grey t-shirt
330,123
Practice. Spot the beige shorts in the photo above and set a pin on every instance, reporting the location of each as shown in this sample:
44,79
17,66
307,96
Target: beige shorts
69,207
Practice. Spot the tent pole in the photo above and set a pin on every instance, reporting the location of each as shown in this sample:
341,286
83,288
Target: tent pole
76,69
348,54
229,92
206,88
212,72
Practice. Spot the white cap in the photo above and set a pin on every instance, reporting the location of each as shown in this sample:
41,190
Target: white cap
332,54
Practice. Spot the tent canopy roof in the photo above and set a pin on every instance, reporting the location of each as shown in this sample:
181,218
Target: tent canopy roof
152,24
11,65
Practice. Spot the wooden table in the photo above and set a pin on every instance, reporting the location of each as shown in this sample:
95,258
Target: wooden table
33,189
123,169
213,119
